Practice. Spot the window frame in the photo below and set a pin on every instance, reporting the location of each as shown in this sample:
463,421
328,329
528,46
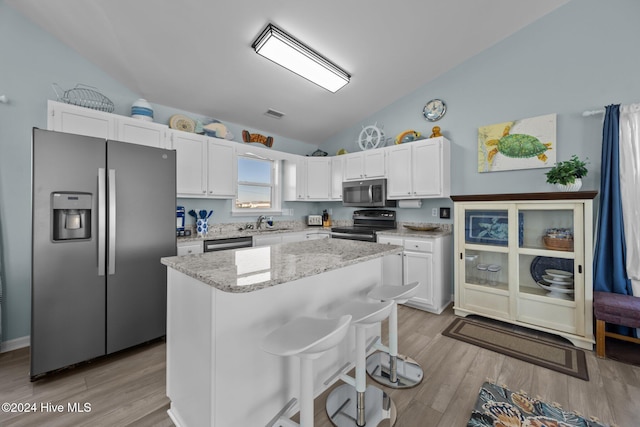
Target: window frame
276,187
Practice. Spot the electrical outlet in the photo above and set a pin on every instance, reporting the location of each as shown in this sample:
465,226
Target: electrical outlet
434,212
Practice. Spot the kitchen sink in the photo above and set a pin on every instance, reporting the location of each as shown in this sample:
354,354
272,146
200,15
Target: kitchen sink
273,229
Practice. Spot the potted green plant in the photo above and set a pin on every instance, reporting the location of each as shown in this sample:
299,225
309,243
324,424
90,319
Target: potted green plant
567,175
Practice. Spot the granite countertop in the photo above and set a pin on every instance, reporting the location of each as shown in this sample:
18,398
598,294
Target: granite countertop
251,269
226,231
443,230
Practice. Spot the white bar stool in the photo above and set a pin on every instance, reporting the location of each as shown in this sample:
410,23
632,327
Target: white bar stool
353,403
386,366
307,338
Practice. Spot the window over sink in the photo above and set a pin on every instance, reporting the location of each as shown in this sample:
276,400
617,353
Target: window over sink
257,185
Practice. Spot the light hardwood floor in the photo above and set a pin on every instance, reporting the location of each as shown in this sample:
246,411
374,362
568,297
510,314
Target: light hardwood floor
128,389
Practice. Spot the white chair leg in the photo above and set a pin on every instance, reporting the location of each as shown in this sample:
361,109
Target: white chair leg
306,392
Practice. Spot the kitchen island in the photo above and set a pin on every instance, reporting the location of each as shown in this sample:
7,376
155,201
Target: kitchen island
222,304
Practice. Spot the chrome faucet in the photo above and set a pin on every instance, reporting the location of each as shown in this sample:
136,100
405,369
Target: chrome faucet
259,221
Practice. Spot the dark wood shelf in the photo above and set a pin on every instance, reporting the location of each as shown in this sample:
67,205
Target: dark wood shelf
557,195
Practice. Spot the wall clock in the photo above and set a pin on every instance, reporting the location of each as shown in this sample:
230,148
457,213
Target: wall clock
434,110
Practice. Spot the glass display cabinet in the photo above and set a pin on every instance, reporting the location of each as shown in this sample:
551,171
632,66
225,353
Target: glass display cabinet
526,259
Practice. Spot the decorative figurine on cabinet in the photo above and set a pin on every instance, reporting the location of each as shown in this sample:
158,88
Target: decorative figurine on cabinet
435,132
256,137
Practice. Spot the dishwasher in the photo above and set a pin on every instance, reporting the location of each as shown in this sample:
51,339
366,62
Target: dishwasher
230,243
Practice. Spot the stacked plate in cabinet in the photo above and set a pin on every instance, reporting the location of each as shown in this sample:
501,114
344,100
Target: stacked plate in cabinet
559,283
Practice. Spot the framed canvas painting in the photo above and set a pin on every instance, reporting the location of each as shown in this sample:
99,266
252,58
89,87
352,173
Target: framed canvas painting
519,144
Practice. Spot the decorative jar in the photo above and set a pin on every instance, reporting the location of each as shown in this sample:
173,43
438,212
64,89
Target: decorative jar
202,227
142,110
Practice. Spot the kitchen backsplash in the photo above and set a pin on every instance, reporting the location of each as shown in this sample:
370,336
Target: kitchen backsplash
221,228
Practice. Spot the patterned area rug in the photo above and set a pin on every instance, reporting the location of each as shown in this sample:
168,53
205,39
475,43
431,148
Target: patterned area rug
499,406
562,358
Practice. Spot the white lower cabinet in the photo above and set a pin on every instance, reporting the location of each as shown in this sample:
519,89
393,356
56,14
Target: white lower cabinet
424,260
297,236
507,246
190,248
316,235
266,240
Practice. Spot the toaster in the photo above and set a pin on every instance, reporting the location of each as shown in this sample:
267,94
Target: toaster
314,219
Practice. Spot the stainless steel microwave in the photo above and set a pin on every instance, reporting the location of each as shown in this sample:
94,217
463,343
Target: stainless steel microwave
368,193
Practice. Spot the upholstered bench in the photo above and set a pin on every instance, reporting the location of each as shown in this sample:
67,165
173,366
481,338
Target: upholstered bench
617,309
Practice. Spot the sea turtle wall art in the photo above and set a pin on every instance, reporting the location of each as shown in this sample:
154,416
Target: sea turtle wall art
520,144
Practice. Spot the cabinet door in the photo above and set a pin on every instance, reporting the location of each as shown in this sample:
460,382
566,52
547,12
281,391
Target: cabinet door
353,166
550,248
374,166
293,237
318,236
399,172
141,132
222,170
337,173
418,267
80,121
392,270
191,163
189,248
266,240
427,169
318,178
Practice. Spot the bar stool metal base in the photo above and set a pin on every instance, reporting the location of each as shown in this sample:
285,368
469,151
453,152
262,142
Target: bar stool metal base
408,371
342,407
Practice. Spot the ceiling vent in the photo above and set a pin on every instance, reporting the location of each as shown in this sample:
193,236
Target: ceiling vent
274,114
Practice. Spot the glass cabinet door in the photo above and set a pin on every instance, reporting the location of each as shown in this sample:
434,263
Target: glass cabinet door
486,247
548,258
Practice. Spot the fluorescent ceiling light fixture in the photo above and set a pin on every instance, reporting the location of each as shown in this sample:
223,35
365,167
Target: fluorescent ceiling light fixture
284,50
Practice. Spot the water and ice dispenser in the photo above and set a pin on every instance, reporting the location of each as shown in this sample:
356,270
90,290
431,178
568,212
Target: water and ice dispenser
71,216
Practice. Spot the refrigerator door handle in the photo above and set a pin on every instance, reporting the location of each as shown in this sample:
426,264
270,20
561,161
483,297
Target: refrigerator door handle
112,222
102,220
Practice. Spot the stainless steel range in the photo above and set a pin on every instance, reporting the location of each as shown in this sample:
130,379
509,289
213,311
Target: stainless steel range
365,224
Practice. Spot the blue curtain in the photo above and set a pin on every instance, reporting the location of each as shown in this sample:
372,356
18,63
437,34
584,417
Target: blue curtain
609,261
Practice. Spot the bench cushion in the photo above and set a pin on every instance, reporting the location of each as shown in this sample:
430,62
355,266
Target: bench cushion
617,309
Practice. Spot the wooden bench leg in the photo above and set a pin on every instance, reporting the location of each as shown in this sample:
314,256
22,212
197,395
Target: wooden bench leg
600,338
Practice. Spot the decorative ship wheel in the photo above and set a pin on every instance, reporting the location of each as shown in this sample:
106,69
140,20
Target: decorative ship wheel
370,137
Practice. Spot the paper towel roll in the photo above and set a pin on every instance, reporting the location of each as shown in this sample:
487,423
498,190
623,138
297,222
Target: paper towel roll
417,203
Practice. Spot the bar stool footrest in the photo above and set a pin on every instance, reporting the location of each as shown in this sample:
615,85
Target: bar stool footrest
342,408
408,371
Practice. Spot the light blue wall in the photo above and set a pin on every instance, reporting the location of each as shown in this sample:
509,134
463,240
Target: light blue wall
581,57
30,61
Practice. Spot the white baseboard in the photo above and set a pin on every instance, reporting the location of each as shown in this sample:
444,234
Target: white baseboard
15,344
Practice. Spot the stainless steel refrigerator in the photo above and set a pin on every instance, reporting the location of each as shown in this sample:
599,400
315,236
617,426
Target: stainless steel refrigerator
103,216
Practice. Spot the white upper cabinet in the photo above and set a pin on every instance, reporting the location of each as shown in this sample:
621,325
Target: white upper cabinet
191,163
85,121
294,178
222,173
141,132
307,178
337,176
364,165
205,167
399,179
318,178
419,170
81,121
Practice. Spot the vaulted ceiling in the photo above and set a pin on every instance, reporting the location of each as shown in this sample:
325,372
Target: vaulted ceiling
196,55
